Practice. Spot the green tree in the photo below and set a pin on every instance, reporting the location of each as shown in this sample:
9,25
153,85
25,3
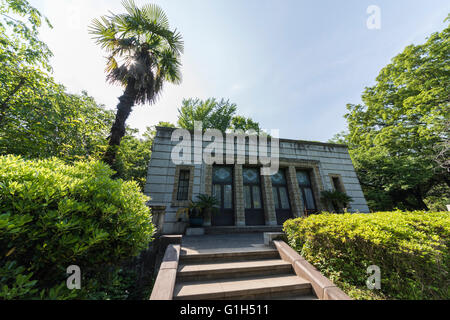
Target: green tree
143,53
44,121
393,136
134,155
22,54
213,114
244,124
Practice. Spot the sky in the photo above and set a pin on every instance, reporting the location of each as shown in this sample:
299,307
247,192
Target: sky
291,65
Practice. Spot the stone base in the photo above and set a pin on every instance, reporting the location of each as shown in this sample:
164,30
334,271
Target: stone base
195,231
270,236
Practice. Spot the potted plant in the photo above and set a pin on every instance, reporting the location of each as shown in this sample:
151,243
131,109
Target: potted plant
197,210
196,216
206,204
340,201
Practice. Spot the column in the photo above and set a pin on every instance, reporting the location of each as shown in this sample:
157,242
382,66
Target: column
208,191
294,192
239,208
269,205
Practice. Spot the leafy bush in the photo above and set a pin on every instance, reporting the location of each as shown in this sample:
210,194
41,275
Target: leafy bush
411,249
54,215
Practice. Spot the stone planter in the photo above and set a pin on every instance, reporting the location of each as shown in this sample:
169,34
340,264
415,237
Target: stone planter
196,222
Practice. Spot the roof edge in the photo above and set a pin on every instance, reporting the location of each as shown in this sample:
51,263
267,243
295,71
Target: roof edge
324,144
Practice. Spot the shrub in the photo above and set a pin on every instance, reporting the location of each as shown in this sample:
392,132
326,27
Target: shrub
411,249
54,215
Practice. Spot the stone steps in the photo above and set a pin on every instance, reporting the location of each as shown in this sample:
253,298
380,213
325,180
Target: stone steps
243,229
261,287
243,274
245,255
235,269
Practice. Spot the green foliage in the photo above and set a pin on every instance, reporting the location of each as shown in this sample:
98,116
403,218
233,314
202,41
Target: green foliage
337,199
19,31
143,53
411,249
207,203
244,124
214,114
140,47
38,118
22,54
54,215
397,138
48,122
134,155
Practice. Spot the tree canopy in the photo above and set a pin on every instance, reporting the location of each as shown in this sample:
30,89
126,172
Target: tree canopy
397,134
214,114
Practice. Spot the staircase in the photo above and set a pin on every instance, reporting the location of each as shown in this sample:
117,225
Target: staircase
247,274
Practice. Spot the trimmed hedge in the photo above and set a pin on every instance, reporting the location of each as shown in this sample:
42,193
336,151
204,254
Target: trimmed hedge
54,215
411,249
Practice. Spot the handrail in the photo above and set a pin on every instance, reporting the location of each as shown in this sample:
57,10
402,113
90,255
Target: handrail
165,281
322,286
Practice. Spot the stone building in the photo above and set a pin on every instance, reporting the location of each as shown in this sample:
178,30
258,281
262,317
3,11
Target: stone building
246,197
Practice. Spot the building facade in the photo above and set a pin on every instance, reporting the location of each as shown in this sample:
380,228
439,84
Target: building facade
246,197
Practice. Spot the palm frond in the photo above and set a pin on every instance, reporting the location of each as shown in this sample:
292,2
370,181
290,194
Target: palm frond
141,48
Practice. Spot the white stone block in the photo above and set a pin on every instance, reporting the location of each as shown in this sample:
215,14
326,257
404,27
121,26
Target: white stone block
270,236
195,231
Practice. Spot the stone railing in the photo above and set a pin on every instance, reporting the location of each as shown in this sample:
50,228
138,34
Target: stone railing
323,288
165,281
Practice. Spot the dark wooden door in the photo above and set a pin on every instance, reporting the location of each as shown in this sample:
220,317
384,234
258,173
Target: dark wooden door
223,191
305,185
254,212
281,197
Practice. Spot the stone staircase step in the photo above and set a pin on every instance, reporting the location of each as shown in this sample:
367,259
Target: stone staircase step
261,287
233,269
243,229
301,297
210,257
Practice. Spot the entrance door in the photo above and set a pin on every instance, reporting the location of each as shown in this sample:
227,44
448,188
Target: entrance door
281,197
304,183
254,212
223,191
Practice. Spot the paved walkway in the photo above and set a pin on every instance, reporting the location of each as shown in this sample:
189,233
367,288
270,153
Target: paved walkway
212,243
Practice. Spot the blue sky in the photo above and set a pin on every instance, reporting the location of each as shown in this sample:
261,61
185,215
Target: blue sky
291,65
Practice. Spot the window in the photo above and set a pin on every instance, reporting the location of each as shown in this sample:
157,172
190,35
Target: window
279,189
183,185
281,197
222,190
337,184
252,189
223,186
304,183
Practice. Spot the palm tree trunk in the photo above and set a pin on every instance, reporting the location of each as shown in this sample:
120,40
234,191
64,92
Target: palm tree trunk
126,102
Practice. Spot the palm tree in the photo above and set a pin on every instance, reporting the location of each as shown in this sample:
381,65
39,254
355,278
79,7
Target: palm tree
143,53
